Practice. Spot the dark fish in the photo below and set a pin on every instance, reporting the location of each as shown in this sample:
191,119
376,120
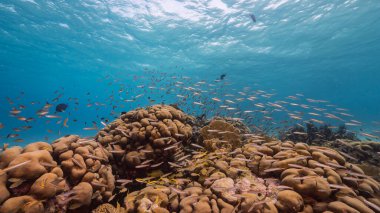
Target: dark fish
222,76
253,18
202,117
12,135
61,107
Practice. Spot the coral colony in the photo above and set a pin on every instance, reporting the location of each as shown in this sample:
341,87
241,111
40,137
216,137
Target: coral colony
160,159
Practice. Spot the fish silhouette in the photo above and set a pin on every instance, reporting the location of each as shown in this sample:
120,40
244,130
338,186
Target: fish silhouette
61,107
222,76
253,17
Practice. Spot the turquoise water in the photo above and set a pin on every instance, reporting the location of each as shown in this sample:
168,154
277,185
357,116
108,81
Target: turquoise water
89,50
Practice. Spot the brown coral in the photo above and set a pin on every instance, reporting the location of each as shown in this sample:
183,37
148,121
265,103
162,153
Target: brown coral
82,196
289,201
84,160
40,162
4,193
22,204
32,175
220,134
8,155
237,172
145,139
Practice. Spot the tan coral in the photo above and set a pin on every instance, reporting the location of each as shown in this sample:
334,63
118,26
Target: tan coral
47,186
63,144
75,167
9,155
264,175
340,207
38,146
40,162
220,134
22,204
107,208
356,204
82,196
232,180
148,199
84,160
4,193
289,201
154,135
306,182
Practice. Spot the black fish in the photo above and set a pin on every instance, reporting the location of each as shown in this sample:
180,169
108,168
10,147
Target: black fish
222,76
61,107
253,18
202,117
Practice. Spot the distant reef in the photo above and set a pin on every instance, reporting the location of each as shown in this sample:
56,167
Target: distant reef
159,159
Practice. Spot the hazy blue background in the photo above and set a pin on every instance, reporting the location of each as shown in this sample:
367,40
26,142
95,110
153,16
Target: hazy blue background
324,49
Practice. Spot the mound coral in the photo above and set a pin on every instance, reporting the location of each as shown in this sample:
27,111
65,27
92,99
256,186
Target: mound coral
149,161
84,160
261,176
71,173
220,134
146,139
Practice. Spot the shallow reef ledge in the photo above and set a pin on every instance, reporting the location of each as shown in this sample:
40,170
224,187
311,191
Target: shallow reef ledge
159,159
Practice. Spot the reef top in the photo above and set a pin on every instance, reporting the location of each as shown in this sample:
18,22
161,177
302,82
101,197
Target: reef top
159,159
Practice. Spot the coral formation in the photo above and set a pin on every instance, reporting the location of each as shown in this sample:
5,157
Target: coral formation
84,160
149,161
108,208
312,133
220,134
363,153
146,139
71,173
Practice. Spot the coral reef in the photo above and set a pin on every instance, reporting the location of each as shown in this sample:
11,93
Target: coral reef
220,134
84,160
159,159
273,176
363,153
313,133
71,173
146,139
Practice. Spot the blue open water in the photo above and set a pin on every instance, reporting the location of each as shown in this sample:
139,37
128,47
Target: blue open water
93,52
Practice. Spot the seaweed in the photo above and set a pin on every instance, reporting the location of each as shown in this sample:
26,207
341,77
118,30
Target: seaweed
311,132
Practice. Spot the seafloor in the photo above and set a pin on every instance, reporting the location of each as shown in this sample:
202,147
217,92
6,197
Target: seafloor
159,159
